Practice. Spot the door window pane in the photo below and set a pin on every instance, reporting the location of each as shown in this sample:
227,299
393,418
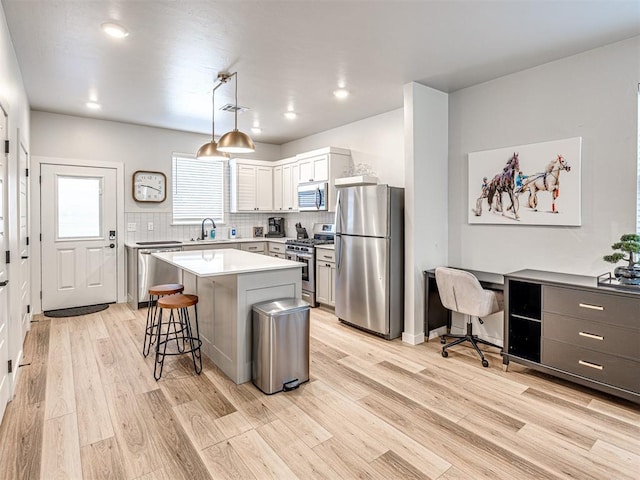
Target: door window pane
79,210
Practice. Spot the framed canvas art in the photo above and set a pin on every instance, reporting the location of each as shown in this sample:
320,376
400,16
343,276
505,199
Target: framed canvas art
535,184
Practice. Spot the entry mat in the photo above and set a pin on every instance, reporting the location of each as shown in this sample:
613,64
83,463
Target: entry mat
76,311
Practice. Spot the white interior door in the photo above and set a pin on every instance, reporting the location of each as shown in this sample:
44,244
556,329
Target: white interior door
79,254
4,289
25,264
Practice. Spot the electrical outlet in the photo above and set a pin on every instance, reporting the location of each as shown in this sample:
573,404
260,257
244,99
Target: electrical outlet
131,227
150,226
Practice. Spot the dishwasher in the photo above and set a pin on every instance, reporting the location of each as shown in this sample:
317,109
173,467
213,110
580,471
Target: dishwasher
144,270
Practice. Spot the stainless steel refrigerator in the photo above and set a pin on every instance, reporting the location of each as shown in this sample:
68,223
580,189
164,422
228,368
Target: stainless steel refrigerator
369,244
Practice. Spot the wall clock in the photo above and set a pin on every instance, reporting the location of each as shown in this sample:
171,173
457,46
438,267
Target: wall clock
149,186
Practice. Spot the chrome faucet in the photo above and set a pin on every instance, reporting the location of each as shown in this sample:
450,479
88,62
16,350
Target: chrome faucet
202,237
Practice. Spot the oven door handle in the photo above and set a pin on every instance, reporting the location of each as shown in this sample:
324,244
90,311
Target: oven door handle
305,255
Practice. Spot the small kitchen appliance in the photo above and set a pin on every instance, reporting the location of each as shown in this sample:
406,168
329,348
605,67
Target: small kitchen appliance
302,249
275,228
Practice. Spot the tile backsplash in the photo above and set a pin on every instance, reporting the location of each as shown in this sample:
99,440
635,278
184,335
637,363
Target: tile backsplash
244,223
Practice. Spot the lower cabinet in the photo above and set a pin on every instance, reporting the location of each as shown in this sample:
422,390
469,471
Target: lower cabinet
567,326
325,277
253,247
211,246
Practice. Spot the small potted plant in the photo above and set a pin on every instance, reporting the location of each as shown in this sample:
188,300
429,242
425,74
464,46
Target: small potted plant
629,244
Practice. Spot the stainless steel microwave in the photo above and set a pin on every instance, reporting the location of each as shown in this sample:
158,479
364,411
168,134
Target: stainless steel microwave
312,196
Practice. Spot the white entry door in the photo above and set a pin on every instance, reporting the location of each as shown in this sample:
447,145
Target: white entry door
4,289
79,254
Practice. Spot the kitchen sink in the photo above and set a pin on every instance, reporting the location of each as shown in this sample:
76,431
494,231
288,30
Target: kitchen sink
164,242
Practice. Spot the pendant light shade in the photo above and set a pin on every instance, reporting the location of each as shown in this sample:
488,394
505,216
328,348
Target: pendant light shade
209,151
235,141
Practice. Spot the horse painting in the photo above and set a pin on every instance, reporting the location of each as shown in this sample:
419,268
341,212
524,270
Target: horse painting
504,183
548,181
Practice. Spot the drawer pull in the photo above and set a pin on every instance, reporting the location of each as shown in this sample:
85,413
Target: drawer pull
590,365
591,336
592,307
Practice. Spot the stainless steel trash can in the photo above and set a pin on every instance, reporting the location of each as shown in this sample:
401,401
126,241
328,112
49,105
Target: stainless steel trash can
280,345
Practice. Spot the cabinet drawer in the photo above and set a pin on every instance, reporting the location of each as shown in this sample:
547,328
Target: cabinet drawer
599,307
597,336
276,247
602,367
325,255
256,247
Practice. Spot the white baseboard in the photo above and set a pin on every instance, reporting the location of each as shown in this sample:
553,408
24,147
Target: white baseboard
413,339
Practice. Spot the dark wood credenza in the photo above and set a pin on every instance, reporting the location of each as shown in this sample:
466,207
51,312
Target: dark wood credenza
572,327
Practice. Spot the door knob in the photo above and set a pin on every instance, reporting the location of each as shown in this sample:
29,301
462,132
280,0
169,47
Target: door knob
111,245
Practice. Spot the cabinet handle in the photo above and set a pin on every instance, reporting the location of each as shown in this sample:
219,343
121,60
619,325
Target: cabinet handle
592,307
326,256
327,265
590,365
591,335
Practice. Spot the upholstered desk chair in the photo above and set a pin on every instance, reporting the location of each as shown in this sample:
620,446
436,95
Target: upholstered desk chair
461,292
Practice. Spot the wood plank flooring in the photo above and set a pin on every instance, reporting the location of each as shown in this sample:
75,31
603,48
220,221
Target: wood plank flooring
86,406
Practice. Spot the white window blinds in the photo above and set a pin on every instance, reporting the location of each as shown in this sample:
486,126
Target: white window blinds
198,190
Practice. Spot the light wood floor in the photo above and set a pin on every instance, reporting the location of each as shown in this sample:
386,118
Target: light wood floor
87,407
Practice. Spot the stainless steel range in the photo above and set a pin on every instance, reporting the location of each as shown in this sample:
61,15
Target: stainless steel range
303,250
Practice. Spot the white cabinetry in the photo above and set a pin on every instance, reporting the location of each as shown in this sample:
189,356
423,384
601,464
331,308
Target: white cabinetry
278,190
285,185
324,165
253,247
251,185
210,246
325,276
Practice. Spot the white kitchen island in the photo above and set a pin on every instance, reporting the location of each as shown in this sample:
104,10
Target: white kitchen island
228,283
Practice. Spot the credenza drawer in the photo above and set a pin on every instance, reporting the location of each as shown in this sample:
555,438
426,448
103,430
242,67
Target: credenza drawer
602,367
594,306
593,335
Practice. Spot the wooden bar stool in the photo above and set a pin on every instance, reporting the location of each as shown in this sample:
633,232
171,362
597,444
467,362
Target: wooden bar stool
155,293
179,319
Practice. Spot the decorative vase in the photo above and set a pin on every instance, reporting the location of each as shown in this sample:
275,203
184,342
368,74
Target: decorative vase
628,275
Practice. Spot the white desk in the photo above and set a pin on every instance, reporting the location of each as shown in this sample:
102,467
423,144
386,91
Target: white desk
228,283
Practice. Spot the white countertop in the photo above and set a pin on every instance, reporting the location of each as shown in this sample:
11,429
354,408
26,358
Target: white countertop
216,241
224,261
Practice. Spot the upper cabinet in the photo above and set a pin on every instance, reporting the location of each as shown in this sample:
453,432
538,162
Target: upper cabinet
251,185
273,186
324,165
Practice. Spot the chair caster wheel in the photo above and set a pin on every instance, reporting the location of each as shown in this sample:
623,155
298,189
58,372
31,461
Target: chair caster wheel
485,363
443,340
445,354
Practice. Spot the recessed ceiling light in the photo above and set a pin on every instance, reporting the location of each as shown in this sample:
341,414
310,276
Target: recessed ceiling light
93,105
256,130
114,30
290,115
341,93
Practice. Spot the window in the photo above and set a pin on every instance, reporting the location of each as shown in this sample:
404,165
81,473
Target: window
79,207
198,190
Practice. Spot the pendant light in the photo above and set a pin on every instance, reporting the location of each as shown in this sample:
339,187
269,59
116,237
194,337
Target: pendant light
235,141
209,151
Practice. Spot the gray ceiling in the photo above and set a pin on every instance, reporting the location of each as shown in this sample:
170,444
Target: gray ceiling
287,53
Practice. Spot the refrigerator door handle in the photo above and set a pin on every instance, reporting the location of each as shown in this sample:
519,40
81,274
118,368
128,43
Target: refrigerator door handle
338,248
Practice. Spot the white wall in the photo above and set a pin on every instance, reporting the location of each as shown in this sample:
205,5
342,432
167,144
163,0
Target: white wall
377,141
139,147
426,245
14,99
592,95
